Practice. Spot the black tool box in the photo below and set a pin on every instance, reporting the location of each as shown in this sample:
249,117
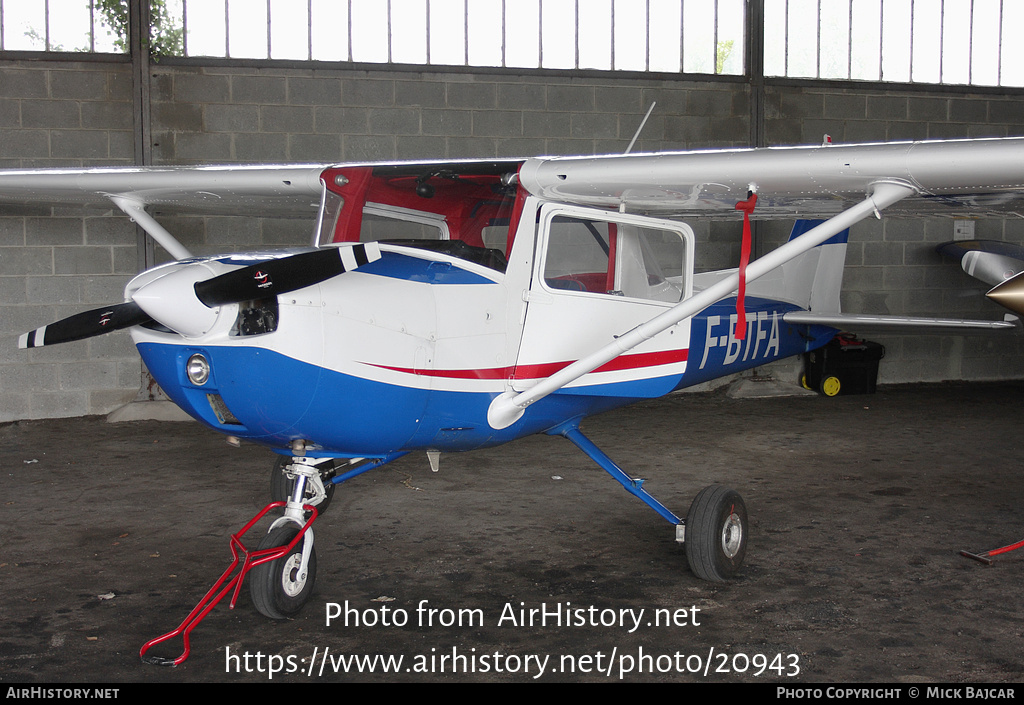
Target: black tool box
845,365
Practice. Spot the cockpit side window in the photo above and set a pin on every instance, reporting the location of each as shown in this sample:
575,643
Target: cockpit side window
579,254
589,255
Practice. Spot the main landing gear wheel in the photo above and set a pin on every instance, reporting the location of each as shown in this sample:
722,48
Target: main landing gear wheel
278,588
716,534
281,486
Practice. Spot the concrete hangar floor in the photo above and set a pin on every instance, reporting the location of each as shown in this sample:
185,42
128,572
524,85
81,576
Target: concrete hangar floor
527,562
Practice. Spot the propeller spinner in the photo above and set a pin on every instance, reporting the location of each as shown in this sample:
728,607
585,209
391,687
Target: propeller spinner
1010,293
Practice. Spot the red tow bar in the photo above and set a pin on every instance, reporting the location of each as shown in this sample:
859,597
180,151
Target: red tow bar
984,557
224,585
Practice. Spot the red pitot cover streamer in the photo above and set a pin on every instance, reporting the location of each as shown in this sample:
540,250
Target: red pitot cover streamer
747,207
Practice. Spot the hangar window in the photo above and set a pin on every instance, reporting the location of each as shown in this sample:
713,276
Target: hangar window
62,25
952,42
87,26
968,42
695,36
692,36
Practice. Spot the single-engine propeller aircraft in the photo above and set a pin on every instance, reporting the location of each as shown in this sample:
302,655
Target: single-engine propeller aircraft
455,305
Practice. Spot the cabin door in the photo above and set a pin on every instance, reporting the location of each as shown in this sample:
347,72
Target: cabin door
597,275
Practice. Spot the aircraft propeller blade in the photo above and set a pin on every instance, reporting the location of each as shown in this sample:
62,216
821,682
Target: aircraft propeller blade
279,276
86,325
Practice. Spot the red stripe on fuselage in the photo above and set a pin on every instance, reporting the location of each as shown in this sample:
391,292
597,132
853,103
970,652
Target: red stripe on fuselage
622,362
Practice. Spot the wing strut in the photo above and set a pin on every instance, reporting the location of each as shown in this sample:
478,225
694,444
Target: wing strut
136,211
507,408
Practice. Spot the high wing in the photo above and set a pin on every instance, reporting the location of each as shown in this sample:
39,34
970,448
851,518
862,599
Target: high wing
238,189
138,191
951,178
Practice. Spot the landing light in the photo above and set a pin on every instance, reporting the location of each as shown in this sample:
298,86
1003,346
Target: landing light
198,370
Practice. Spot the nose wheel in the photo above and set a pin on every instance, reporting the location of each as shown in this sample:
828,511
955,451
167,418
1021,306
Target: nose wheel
282,587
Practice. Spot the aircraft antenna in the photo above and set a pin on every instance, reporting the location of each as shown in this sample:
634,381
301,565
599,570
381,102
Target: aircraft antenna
639,129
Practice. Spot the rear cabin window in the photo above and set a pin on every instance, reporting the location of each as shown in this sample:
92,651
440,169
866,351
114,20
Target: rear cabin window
381,227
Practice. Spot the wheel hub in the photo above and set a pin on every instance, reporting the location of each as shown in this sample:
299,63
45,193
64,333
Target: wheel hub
732,535
292,577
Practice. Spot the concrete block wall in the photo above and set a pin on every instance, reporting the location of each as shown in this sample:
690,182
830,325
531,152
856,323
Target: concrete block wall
892,266
55,262
295,115
58,113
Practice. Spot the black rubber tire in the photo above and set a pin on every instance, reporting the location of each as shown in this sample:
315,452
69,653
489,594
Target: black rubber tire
273,585
716,534
281,486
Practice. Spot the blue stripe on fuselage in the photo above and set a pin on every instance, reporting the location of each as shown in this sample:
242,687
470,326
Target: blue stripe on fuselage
415,269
